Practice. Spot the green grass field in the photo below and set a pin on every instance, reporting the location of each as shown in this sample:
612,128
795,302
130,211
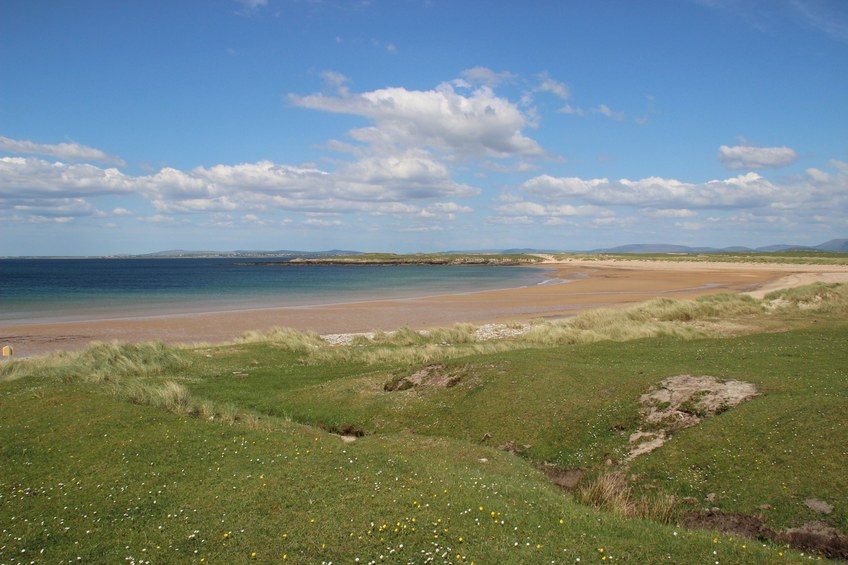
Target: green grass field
229,454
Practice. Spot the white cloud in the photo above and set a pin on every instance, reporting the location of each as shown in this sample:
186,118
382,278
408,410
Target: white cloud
526,209
253,219
745,190
477,124
336,81
747,199
164,220
569,109
37,177
817,175
668,213
64,208
483,75
752,157
321,223
837,164
547,84
67,151
507,168
606,111
34,186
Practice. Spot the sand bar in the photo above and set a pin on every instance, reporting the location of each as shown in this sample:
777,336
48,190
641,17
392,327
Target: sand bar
590,284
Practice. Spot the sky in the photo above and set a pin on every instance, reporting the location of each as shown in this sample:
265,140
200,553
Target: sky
420,125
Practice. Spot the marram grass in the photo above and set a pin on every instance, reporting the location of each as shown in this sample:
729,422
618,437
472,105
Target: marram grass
101,362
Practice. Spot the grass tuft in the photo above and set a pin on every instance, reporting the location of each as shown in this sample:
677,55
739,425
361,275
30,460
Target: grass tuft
612,492
661,317
820,297
101,362
286,339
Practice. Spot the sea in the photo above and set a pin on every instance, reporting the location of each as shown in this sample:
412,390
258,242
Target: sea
55,290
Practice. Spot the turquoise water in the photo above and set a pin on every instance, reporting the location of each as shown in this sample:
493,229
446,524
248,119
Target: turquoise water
42,290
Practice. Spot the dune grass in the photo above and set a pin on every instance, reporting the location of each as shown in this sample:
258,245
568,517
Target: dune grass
100,362
222,454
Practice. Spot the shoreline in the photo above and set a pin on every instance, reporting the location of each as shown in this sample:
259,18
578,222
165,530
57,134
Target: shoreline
580,285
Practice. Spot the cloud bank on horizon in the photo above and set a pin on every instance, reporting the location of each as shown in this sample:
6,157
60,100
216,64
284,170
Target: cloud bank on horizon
270,124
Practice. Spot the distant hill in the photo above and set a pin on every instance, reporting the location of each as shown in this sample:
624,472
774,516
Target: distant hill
656,248
834,245
837,245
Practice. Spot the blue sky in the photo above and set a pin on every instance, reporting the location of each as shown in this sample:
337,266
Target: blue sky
420,125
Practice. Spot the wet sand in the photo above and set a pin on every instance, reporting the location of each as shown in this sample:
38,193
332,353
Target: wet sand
584,285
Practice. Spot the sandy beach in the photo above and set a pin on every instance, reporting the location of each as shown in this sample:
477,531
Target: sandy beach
579,285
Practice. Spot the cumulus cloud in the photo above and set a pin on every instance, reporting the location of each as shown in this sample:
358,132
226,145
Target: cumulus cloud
526,209
67,151
477,124
752,157
30,186
39,177
745,190
747,198
357,186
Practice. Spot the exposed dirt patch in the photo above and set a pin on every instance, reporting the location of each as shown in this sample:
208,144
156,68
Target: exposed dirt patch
736,524
681,402
563,478
432,376
818,537
815,537
344,430
819,506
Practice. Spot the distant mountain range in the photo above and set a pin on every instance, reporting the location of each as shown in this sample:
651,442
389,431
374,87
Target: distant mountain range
834,245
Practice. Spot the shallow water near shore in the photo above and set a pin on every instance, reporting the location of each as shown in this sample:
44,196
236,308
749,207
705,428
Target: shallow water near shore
52,290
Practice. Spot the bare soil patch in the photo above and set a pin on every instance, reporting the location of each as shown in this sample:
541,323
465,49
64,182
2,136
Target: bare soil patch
729,523
816,537
682,402
568,479
431,376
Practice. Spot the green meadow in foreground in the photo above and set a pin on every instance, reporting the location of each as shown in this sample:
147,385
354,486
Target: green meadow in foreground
437,447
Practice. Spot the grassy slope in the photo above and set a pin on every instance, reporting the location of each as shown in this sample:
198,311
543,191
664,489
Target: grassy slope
86,473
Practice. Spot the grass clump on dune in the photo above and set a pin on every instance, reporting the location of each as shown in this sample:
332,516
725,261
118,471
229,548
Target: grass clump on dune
821,297
655,318
101,362
285,338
